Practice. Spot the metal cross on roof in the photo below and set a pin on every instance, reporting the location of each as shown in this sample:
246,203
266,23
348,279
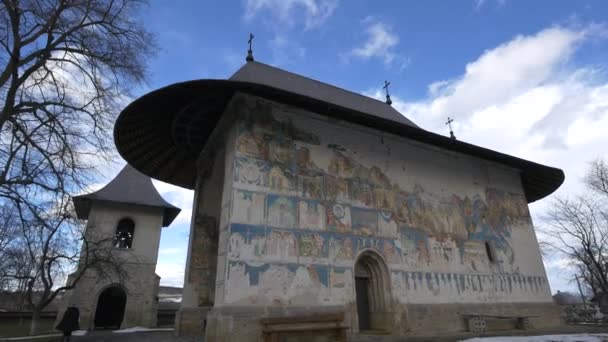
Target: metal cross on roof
388,96
250,52
449,123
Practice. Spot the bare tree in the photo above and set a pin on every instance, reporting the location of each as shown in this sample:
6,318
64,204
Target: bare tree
66,68
8,227
42,256
578,229
597,178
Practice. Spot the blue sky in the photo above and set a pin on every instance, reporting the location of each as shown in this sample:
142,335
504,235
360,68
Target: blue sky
527,78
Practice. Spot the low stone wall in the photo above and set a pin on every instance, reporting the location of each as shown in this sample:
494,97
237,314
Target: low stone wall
48,319
17,323
191,321
425,318
242,323
165,318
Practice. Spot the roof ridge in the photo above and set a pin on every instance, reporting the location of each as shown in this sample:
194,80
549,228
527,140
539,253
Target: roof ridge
275,77
320,82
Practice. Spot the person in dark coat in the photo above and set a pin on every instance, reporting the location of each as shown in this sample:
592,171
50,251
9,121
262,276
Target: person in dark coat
69,322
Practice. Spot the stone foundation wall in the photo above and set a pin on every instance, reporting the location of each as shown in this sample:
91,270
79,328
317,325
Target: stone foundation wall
141,288
424,319
242,323
190,321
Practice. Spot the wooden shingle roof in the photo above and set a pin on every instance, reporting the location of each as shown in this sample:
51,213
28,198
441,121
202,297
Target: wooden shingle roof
128,187
278,78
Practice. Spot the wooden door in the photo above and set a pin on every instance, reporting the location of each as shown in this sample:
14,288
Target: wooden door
361,288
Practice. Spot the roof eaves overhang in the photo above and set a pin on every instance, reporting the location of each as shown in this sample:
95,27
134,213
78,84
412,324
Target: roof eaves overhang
148,137
83,204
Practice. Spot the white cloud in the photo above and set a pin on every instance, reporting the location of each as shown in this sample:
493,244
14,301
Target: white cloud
171,274
179,197
172,260
504,72
525,93
526,98
380,43
171,251
560,272
480,3
284,17
310,13
285,51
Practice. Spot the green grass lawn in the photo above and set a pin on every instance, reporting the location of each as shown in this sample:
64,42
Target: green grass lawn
17,327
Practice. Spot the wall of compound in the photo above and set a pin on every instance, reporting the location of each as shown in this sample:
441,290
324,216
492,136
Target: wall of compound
309,194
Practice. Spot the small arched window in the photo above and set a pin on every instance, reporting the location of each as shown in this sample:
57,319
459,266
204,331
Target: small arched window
124,233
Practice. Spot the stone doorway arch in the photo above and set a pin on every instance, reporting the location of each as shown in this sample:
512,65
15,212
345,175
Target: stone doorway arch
110,308
373,293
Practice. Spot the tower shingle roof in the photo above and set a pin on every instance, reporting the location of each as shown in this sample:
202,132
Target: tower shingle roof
129,187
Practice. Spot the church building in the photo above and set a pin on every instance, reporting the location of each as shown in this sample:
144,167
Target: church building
312,200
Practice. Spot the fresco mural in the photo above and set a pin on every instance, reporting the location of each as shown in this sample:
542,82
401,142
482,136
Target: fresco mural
364,221
281,245
251,172
248,207
387,224
341,249
337,189
282,211
338,217
306,217
277,283
246,242
281,179
311,215
361,192
280,151
310,185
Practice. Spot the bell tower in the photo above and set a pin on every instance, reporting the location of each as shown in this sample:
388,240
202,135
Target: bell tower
129,214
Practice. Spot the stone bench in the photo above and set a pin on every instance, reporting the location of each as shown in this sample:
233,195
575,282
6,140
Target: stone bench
476,323
276,327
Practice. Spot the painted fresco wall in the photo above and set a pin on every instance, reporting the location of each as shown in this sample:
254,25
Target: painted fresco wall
310,194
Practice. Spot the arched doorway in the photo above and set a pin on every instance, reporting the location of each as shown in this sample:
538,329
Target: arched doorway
373,293
110,308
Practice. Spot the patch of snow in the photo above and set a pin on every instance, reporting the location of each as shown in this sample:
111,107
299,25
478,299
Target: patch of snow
79,333
140,329
545,338
170,300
